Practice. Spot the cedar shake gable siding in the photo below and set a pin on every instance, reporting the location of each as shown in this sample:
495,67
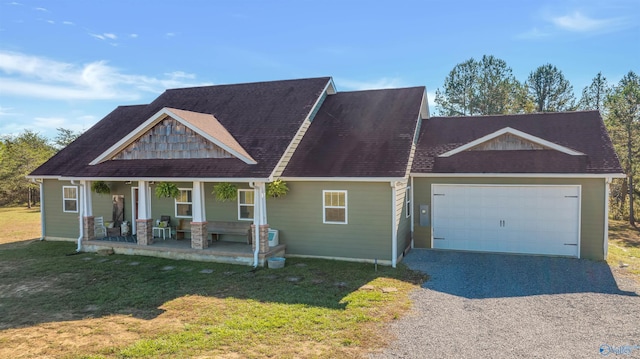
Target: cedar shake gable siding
263,117
582,131
360,134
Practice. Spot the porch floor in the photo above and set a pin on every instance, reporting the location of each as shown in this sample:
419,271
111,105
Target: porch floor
218,251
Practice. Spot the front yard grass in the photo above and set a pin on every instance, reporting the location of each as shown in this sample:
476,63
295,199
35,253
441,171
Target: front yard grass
53,304
624,249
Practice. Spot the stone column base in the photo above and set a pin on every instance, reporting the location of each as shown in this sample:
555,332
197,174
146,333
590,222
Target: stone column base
199,235
88,228
264,238
144,231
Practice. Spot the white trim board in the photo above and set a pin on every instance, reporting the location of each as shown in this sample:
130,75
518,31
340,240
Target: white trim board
521,175
512,131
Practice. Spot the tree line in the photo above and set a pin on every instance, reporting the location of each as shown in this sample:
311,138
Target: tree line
19,156
488,87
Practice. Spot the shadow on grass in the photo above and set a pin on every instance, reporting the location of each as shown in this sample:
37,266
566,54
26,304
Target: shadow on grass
45,282
488,275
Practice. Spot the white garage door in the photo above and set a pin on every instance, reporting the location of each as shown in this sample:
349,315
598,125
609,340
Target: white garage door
511,219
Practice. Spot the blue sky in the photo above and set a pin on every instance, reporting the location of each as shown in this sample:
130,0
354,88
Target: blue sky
69,63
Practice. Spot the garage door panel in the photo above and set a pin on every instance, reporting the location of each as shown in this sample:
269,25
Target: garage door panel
515,219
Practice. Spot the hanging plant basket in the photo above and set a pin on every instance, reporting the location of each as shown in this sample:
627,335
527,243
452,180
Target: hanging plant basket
277,188
225,191
100,187
167,190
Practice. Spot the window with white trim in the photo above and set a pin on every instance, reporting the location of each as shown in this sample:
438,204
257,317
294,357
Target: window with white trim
184,204
408,201
246,204
334,207
70,199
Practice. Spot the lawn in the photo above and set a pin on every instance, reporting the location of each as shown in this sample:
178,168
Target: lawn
19,223
55,304
624,249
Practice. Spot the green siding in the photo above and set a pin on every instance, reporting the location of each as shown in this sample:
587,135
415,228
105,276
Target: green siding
367,235
224,211
57,223
592,207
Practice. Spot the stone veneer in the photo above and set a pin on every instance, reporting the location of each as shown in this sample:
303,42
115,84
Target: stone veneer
144,231
88,228
199,235
264,238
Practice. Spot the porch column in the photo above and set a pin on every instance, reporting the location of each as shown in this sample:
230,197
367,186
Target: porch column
260,219
88,232
144,222
199,217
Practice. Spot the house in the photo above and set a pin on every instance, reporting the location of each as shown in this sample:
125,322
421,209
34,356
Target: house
369,175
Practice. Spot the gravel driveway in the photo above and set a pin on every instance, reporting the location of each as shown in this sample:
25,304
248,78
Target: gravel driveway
480,305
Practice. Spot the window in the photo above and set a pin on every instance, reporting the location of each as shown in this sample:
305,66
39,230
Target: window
184,204
408,201
246,204
70,199
334,207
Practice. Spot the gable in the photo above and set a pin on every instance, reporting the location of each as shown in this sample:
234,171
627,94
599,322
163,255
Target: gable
177,134
508,142
509,139
564,142
170,139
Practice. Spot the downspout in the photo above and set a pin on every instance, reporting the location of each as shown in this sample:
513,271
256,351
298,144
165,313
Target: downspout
412,218
607,182
394,229
42,222
256,236
80,213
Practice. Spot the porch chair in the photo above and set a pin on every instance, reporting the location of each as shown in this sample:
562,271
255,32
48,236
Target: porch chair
163,227
98,227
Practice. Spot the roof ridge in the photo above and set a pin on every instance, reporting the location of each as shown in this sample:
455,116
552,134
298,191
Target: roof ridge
247,83
559,113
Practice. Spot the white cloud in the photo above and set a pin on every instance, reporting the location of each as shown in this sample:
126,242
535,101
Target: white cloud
41,9
382,83
15,3
104,36
5,111
170,34
68,23
32,76
431,99
578,22
534,33
133,36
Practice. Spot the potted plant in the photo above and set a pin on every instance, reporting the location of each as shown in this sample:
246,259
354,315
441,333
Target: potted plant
100,187
225,191
167,190
277,188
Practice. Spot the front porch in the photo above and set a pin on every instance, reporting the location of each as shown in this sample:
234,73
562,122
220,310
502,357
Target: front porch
217,251
195,215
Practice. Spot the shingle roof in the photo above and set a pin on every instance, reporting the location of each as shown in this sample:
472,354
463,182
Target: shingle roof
582,131
360,134
263,117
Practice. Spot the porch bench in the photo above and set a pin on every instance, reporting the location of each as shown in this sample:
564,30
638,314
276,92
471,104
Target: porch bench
216,228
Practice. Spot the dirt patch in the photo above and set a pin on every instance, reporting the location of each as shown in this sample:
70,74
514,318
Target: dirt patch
59,339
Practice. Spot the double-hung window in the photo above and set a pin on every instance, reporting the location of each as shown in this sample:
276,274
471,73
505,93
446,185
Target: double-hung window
184,204
70,199
334,207
246,203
